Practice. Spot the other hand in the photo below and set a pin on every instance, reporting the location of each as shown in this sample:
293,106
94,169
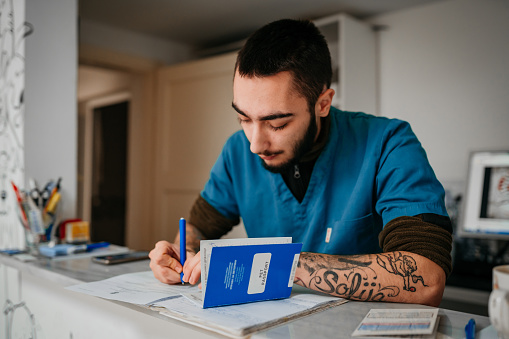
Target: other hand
192,269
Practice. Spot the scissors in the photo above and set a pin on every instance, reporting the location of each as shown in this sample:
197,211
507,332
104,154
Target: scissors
46,193
34,193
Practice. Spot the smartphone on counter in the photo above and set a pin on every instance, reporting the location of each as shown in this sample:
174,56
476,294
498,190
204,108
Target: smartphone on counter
120,258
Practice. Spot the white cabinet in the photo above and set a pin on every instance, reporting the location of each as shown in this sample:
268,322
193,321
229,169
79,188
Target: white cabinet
353,52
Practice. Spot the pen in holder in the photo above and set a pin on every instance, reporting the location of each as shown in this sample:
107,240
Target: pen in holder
32,239
50,205
39,215
52,226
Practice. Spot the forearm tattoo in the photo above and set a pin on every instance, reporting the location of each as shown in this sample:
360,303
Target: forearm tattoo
402,265
354,277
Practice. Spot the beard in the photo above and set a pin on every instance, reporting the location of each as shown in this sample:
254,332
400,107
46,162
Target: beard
300,148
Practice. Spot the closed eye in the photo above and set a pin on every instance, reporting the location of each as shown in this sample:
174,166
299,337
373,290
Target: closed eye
243,121
274,128
278,128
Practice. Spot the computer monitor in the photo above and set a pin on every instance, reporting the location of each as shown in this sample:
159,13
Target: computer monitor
485,211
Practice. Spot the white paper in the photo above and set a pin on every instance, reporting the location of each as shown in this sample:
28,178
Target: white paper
379,322
140,288
234,320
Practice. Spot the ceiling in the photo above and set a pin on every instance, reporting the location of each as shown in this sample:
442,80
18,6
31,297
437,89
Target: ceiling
208,23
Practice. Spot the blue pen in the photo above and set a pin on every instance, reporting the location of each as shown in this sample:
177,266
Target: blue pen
182,229
470,329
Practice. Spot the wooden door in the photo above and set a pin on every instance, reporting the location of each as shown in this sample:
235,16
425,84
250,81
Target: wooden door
194,120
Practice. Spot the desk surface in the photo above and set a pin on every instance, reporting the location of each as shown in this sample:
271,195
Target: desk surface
337,322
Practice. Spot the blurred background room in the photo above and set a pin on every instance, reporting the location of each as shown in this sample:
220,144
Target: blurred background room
129,102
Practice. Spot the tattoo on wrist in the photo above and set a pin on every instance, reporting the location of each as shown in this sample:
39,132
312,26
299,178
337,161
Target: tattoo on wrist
402,265
354,278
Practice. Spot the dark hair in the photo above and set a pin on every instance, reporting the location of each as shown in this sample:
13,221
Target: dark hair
296,46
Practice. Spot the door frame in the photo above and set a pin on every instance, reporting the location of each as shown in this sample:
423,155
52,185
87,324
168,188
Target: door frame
88,146
142,140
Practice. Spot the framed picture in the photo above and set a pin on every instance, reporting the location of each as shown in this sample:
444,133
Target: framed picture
486,204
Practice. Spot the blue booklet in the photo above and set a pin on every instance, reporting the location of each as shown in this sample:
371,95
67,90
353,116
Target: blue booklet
236,271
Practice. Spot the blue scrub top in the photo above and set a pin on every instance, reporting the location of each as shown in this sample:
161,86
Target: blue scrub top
372,170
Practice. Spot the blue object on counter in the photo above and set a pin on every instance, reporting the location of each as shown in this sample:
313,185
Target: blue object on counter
12,251
66,249
470,329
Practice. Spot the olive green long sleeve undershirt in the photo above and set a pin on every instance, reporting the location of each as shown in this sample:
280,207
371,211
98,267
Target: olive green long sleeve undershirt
415,234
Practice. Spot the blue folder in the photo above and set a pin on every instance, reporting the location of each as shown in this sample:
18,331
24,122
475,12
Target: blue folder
241,274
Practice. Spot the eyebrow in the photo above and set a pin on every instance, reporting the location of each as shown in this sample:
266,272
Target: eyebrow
271,116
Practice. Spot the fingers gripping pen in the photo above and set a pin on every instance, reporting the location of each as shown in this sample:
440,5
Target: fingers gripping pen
182,229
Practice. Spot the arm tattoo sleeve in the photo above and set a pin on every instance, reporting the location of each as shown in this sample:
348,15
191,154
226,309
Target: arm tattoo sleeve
356,277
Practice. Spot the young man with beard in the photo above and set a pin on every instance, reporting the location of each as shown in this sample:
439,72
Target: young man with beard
355,189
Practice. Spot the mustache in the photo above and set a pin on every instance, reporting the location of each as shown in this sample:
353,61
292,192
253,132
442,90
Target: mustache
268,154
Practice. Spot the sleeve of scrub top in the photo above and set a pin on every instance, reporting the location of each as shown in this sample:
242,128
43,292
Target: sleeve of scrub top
406,184
219,191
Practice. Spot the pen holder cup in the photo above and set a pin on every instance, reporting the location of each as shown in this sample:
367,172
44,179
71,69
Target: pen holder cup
498,305
40,229
32,241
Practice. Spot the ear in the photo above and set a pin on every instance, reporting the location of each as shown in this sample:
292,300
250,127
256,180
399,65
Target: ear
324,102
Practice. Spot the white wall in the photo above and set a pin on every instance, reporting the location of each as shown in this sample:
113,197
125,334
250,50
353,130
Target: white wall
12,115
133,43
444,67
50,96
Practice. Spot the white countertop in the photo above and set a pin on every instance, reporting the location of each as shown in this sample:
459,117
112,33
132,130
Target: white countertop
336,322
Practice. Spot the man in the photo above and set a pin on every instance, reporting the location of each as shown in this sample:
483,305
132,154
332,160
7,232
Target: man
355,189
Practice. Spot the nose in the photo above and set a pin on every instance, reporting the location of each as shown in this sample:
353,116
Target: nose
259,141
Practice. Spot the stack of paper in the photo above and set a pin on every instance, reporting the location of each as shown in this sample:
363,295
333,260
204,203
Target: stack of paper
237,320
417,323
244,319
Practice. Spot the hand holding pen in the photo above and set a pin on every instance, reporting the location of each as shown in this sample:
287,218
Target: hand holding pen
165,262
